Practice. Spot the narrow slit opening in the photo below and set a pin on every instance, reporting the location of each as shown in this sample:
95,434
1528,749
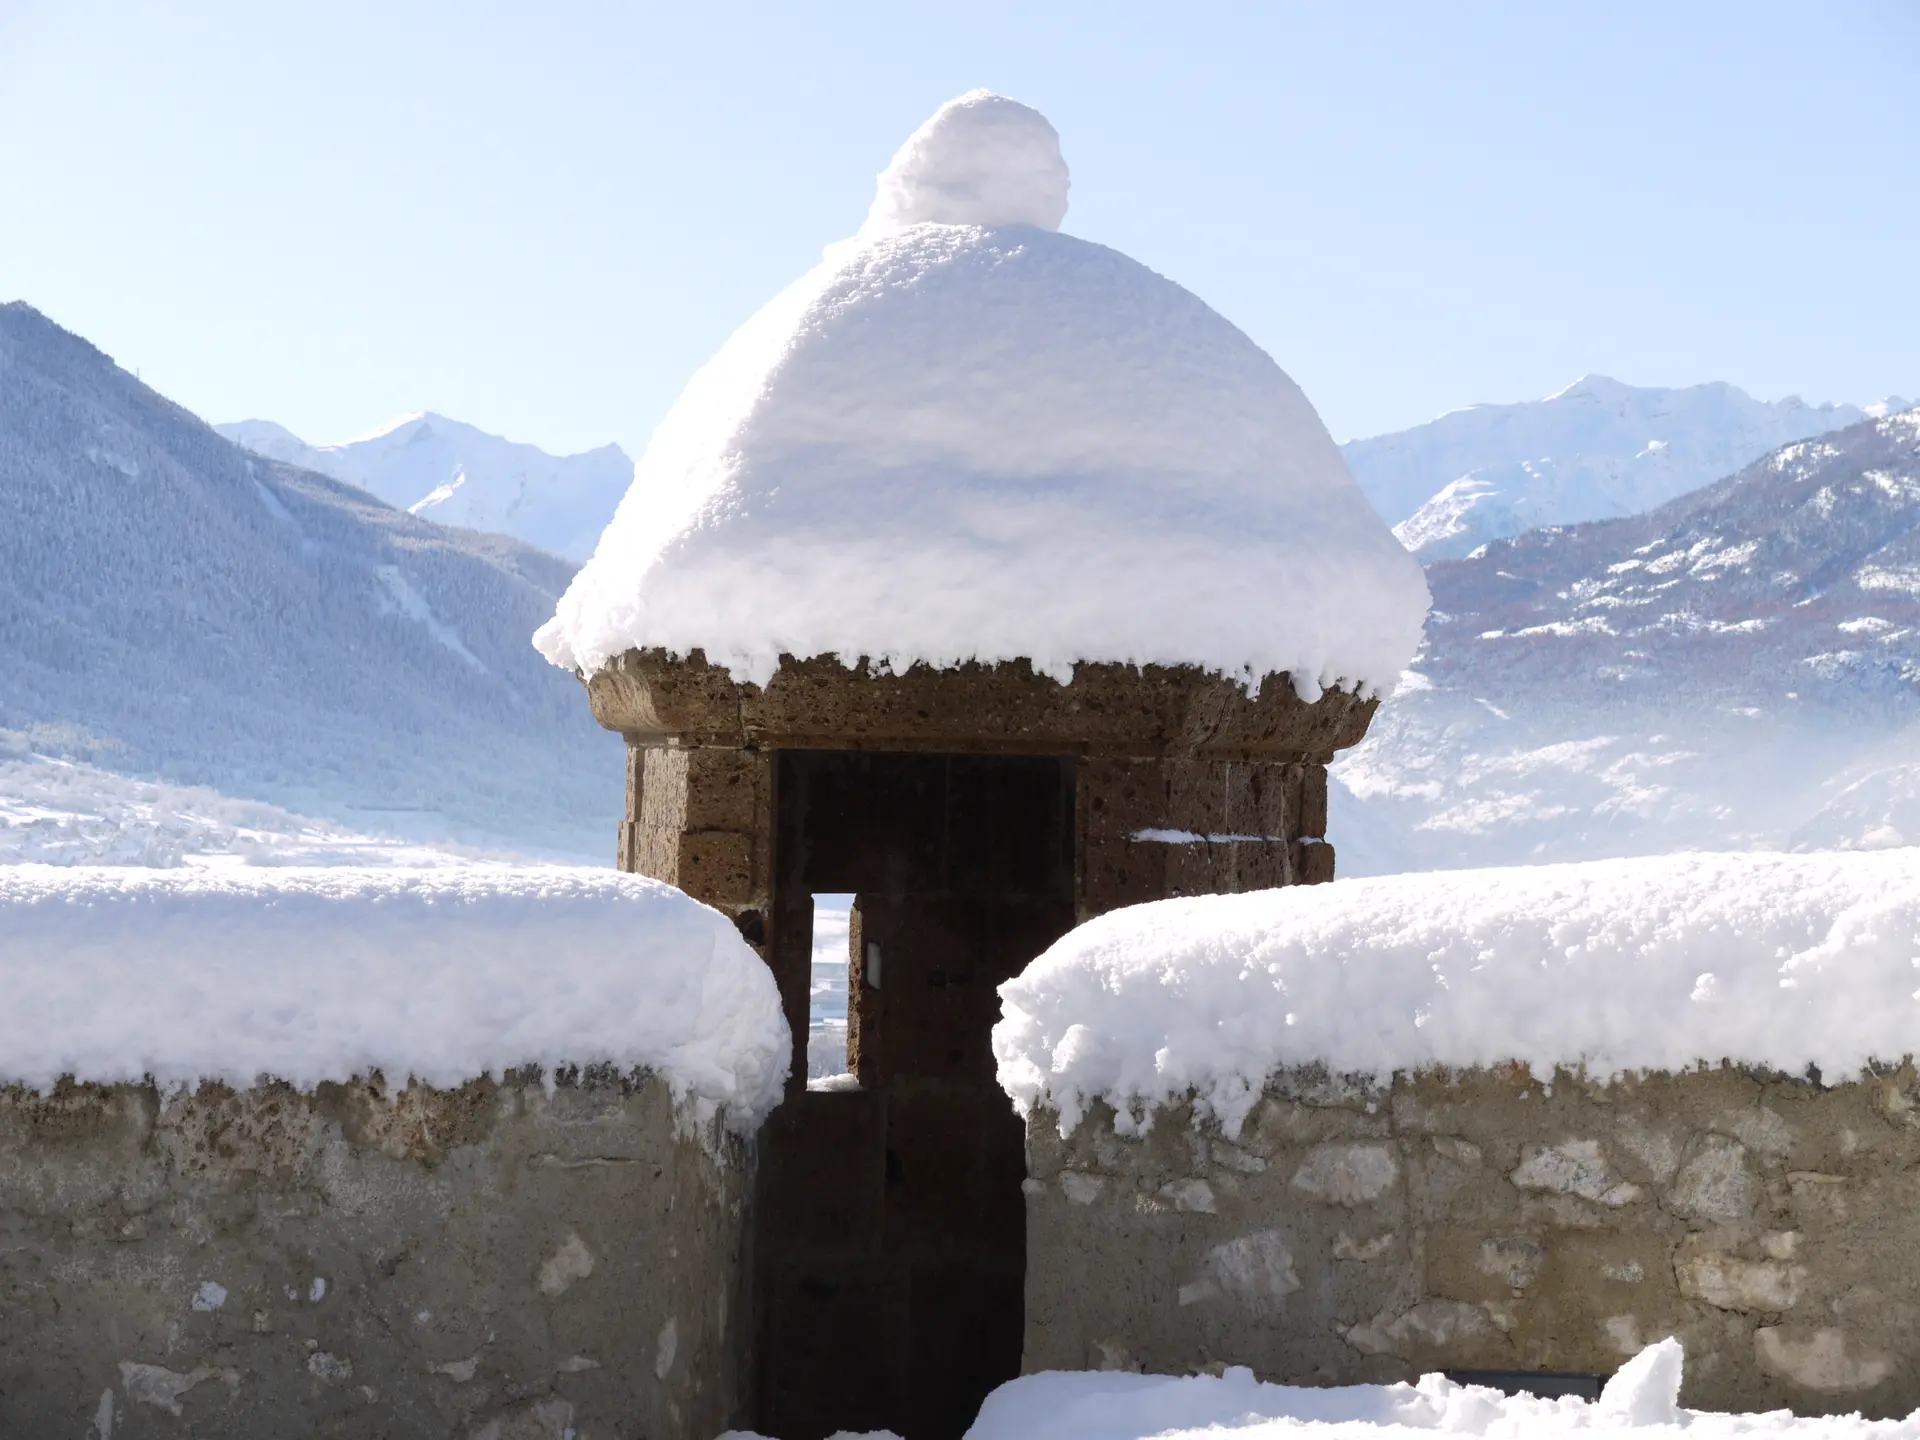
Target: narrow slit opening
827,995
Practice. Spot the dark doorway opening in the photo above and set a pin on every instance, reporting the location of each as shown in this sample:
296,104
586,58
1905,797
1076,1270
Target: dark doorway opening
892,1230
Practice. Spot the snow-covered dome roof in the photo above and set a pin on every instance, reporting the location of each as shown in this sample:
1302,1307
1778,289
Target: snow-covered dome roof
965,436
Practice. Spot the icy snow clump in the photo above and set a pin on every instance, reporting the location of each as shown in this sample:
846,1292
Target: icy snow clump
1782,961
964,436
324,974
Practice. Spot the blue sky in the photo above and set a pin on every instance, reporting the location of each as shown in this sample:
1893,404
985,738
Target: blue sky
543,218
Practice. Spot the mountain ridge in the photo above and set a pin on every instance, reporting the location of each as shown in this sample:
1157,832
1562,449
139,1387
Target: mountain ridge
1595,449
458,474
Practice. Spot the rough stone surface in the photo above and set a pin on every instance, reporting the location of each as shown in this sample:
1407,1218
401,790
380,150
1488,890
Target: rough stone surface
1112,710
1354,1233
499,1261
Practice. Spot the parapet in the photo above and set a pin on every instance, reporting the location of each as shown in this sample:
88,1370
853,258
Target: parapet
498,1258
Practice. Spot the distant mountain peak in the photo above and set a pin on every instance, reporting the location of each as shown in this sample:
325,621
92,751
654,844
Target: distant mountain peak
386,431
1604,386
457,474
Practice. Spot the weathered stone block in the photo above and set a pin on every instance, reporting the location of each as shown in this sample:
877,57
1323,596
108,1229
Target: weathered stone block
700,788
717,867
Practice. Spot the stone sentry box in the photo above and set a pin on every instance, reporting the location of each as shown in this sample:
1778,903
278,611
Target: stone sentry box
978,813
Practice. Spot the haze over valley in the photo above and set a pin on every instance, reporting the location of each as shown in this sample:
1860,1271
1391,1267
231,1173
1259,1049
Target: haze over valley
227,641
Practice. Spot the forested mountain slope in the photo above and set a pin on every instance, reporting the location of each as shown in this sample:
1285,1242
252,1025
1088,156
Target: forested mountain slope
173,606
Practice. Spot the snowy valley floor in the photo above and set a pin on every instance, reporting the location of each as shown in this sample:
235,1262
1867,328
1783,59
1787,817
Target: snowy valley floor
60,812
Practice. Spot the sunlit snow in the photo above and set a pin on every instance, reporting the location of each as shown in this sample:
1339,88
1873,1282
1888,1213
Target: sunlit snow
991,441
1595,965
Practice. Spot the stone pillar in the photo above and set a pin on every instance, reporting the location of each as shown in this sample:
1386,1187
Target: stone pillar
1150,829
701,818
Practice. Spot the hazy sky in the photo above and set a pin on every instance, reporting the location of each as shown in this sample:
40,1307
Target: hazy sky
541,218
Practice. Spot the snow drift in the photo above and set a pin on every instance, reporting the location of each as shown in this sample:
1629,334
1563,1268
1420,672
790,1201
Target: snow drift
1120,1405
965,436
1082,1405
1783,961
117,975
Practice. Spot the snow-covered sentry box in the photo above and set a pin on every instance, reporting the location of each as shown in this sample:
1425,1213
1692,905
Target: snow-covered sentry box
994,578
1509,1120
355,1152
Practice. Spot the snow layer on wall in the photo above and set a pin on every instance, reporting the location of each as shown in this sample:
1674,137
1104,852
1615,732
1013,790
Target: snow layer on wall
1658,963
1643,1395
970,439
311,975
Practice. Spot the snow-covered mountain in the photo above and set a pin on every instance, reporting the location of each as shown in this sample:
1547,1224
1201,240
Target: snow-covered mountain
451,472
175,608
1598,449
1738,667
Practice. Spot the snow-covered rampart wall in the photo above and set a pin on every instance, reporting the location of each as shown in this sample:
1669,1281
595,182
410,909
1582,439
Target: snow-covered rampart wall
1531,1119
228,1213
306,976
1656,964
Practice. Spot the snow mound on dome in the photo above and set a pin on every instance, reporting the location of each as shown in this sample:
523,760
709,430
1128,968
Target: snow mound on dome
981,160
952,443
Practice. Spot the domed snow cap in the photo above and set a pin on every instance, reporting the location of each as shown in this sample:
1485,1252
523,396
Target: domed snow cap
981,160
970,441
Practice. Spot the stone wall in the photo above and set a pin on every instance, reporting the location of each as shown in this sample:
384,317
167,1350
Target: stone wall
1484,1221
501,1261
